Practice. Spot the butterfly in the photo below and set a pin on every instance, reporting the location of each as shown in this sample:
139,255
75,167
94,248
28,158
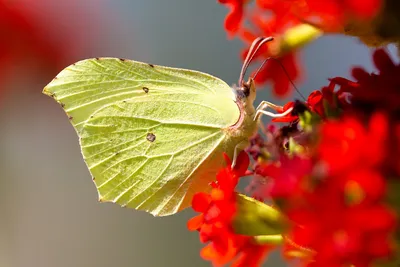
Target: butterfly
153,136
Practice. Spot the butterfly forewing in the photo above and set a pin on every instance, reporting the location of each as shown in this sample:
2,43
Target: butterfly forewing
151,136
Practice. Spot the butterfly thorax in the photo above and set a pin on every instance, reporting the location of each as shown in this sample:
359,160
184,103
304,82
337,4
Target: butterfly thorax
246,125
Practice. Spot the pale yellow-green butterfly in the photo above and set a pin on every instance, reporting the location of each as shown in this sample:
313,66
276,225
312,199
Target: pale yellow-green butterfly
153,136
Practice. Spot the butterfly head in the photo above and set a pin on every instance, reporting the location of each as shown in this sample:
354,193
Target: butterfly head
246,93
247,90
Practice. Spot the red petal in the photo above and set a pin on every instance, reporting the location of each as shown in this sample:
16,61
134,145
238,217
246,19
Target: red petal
227,160
217,194
376,218
380,245
206,232
201,201
360,74
288,118
209,253
382,61
233,20
251,256
364,8
365,185
195,223
242,163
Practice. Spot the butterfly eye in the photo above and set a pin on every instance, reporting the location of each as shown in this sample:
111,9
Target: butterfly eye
246,88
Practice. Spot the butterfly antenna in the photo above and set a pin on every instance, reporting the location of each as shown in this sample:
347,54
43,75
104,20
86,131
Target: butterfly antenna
255,46
246,61
284,69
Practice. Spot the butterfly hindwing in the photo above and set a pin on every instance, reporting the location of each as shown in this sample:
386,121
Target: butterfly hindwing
151,136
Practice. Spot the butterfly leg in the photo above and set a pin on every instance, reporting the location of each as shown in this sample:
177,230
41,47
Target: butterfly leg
264,105
238,148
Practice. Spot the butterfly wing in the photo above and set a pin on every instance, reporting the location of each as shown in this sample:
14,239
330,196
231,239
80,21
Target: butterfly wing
151,136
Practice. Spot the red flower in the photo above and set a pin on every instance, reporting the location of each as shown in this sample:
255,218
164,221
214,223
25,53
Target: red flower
330,14
378,92
274,17
272,71
215,221
287,176
265,25
276,75
336,198
327,102
349,186
346,144
234,18
289,117
337,12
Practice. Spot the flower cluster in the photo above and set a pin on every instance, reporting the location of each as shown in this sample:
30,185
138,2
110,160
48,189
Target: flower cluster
215,222
331,168
328,172
365,19
336,194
